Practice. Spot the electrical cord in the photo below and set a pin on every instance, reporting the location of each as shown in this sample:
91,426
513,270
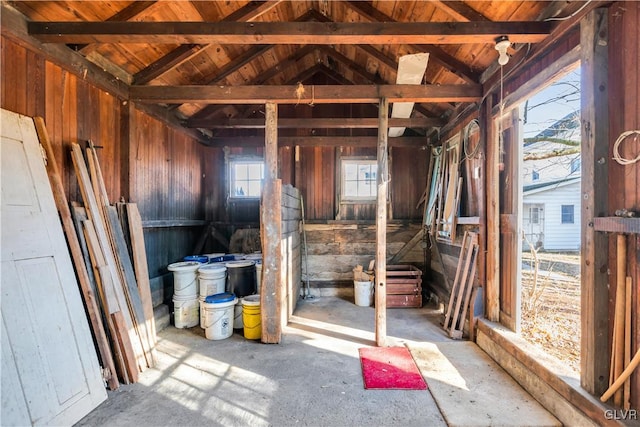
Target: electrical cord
616,148
465,140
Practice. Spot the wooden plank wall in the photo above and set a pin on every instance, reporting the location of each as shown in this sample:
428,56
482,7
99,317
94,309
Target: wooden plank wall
164,174
624,181
291,245
170,180
334,249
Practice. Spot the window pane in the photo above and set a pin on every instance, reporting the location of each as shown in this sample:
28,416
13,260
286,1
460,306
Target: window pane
254,189
351,188
241,172
366,188
350,171
241,189
364,171
255,171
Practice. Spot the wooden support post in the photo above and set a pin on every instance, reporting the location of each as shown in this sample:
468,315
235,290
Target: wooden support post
271,289
93,312
381,224
492,271
594,296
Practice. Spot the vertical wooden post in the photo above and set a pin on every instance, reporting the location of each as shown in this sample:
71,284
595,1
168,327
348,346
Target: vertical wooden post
594,310
271,292
381,224
492,272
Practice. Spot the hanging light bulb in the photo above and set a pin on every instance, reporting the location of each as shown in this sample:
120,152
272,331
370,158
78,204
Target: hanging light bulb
502,44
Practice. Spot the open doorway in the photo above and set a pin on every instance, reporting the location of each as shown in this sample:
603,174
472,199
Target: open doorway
550,177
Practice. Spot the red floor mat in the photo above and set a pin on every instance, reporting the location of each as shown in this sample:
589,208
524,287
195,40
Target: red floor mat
390,368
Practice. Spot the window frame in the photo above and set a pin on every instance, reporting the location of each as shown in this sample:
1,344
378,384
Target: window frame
535,209
232,162
358,160
563,214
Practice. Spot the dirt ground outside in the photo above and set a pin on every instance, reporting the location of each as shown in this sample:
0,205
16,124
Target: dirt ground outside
551,305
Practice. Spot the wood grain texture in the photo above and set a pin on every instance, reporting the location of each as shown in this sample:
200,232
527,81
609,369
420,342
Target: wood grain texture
594,366
89,298
380,291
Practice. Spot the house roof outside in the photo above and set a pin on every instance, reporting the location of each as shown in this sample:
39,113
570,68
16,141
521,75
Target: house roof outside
549,185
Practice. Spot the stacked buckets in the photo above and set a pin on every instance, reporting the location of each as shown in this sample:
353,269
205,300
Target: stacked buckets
212,278
221,295
185,293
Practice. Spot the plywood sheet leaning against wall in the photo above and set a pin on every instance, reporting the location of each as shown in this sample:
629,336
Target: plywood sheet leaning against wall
462,289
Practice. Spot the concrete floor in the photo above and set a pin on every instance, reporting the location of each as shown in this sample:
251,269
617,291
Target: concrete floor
313,378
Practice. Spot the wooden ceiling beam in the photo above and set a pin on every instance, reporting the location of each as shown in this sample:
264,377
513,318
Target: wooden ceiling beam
318,141
288,32
309,123
320,94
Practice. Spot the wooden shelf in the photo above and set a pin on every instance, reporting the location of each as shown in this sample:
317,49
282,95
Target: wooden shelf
614,224
169,223
472,220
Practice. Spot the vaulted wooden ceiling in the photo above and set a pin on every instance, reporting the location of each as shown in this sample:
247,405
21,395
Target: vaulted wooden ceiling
203,61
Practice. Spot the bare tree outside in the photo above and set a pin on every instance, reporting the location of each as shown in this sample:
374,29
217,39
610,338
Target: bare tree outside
551,225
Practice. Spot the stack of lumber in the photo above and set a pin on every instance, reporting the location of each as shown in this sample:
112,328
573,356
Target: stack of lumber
463,285
111,266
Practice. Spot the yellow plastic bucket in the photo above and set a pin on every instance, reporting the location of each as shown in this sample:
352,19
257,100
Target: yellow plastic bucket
251,317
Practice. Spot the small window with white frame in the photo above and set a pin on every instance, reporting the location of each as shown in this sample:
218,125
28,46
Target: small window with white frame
246,177
359,179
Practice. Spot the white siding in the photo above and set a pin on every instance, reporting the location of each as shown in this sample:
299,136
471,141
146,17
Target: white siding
559,236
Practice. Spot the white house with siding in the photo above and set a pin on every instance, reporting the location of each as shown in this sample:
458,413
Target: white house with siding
551,214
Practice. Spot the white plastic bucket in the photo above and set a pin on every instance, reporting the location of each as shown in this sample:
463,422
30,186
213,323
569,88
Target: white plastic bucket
237,315
186,312
185,282
212,279
363,293
219,312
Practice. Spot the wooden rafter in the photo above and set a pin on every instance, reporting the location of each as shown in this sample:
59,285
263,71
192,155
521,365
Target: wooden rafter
131,11
323,94
352,65
262,78
183,53
437,54
286,32
460,11
293,123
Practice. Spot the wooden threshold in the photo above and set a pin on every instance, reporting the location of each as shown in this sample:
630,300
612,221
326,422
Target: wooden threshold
547,370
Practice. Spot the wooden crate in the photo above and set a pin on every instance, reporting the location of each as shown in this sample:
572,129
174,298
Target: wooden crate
404,286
